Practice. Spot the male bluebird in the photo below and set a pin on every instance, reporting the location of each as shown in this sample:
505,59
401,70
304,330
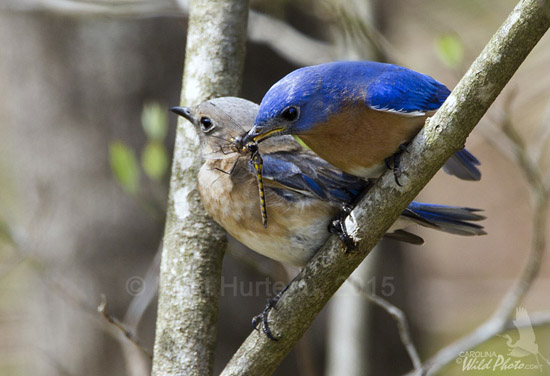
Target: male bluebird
356,114
303,192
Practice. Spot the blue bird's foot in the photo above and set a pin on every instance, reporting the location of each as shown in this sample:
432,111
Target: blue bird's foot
338,227
394,162
262,317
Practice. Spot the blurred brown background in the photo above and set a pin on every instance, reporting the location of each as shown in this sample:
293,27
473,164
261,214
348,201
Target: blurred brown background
75,77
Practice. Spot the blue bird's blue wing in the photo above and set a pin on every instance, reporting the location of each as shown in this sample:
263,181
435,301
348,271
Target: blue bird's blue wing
401,90
452,219
463,165
306,174
298,175
398,89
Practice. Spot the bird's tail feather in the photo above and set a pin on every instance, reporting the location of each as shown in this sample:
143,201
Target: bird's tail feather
463,165
452,219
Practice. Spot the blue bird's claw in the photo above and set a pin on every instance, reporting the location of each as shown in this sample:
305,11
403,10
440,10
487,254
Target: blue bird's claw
396,159
263,317
388,162
338,227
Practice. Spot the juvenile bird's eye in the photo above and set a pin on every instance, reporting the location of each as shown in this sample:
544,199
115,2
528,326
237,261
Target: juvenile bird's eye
290,113
206,124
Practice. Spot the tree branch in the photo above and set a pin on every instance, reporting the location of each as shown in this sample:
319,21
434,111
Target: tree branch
127,332
193,243
281,37
398,315
443,134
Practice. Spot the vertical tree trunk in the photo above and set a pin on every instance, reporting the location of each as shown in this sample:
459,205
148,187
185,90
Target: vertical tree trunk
193,243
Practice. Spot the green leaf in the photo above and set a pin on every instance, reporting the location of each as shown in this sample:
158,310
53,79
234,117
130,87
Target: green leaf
154,160
450,50
154,119
125,166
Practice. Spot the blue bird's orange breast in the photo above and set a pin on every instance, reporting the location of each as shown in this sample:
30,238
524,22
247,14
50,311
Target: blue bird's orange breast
358,139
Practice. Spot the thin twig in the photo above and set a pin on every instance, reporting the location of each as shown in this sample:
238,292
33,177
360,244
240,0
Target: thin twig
141,301
286,40
361,31
399,317
21,246
281,37
120,326
136,363
541,142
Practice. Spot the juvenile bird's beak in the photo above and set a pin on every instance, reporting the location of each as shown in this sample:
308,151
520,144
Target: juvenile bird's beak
185,112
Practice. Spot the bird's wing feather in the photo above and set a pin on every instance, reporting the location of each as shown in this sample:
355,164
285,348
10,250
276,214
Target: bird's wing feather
403,91
309,175
404,236
451,219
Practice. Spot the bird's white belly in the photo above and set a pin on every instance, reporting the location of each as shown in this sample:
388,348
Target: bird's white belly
296,248
295,229
367,172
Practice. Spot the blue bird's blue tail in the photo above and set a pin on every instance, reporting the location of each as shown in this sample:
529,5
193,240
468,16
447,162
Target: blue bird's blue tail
463,165
452,219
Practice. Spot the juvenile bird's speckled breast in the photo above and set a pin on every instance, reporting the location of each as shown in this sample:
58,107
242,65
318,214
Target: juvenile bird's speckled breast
291,235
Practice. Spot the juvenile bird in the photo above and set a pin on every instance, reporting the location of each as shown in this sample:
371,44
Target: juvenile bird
303,192
357,115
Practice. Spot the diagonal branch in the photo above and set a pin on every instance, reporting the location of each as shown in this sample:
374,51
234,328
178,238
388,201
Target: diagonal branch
443,134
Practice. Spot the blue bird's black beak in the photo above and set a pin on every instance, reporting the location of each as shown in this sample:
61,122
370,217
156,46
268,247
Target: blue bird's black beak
257,135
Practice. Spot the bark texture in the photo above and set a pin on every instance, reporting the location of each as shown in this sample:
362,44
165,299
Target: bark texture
193,243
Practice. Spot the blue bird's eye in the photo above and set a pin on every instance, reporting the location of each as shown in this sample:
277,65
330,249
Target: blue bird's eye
206,124
290,113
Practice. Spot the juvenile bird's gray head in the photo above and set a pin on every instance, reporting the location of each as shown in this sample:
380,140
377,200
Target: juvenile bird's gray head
219,121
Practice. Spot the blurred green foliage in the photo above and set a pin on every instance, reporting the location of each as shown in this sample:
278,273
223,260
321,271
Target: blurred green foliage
154,156
450,50
125,167
154,119
154,160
